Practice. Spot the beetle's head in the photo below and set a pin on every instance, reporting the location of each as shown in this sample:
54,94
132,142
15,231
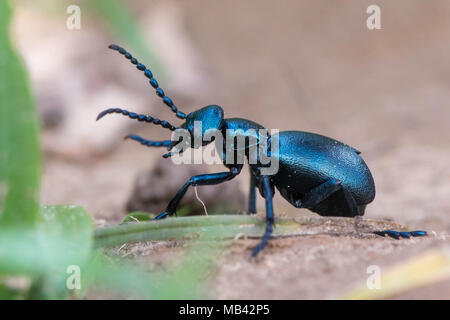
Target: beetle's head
200,121
198,130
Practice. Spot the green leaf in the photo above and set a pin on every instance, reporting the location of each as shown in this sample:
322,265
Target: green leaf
62,238
7,293
68,229
65,241
19,146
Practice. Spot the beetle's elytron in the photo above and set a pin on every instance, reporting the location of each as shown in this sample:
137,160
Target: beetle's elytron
315,172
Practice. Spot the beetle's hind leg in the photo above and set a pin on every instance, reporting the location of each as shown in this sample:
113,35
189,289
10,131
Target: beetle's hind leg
314,200
401,234
391,233
316,195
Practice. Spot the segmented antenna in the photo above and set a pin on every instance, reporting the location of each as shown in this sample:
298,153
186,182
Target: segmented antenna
152,80
138,117
171,153
165,143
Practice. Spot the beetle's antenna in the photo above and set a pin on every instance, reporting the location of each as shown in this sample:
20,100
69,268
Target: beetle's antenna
139,117
152,80
171,153
165,143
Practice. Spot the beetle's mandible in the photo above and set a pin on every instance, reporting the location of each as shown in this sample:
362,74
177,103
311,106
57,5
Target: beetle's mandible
315,172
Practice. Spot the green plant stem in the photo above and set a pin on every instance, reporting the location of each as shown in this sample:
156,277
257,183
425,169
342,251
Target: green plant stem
215,227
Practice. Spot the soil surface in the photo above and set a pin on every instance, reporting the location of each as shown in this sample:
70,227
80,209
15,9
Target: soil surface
296,65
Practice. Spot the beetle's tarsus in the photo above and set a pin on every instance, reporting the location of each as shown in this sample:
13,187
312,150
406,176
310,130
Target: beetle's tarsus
259,247
402,234
161,216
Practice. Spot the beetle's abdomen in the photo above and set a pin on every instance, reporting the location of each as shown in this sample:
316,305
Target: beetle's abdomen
306,160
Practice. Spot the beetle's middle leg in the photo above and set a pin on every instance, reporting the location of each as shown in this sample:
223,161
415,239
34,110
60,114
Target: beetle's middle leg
252,194
200,180
268,195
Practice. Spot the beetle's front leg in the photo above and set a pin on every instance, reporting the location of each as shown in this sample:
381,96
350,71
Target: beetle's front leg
200,180
268,195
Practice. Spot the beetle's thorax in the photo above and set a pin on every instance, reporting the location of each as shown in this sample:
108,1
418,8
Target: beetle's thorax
241,138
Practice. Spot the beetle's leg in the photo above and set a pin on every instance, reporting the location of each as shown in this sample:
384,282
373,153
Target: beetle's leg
252,194
268,195
200,180
316,195
351,202
403,234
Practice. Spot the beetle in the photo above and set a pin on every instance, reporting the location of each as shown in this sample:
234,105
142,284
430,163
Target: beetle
314,172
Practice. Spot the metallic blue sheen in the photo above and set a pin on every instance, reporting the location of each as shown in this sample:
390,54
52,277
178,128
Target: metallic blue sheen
153,83
308,160
148,74
418,233
406,235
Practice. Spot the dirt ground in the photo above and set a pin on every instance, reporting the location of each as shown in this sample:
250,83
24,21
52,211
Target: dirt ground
296,65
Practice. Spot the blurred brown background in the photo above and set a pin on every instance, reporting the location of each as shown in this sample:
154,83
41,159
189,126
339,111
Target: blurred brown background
305,65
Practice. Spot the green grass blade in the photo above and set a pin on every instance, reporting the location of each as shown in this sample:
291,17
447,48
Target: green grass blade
63,238
19,145
215,226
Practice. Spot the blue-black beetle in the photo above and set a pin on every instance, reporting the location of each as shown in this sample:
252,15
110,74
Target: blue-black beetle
315,172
